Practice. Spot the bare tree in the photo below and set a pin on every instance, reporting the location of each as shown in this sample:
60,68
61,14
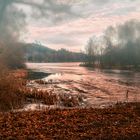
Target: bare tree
90,59
120,47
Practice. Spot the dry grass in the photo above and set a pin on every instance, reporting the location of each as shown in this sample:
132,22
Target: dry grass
52,98
35,95
11,86
14,94
118,123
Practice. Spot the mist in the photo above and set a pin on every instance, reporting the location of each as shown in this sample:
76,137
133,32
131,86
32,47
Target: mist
13,22
119,46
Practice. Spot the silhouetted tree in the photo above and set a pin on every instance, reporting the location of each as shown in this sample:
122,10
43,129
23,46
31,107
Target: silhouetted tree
90,53
120,47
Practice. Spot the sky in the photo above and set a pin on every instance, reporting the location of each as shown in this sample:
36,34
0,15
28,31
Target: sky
70,23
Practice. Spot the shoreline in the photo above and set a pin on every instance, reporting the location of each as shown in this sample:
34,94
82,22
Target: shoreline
34,95
35,75
120,121
110,68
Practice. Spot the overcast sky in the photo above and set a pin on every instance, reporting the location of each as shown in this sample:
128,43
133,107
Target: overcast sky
70,23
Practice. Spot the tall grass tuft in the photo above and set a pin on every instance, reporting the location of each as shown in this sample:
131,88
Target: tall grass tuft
10,90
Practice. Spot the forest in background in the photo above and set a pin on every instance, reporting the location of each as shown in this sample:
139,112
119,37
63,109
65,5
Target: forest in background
39,53
117,47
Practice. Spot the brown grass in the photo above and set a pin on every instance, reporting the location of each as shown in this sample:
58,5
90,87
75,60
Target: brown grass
119,123
11,86
52,98
35,95
14,94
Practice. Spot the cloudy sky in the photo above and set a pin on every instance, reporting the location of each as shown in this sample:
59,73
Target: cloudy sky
70,23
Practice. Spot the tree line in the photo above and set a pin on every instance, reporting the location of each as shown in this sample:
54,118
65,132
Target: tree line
118,47
39,53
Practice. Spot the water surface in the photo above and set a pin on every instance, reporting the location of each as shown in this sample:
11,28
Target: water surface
98,87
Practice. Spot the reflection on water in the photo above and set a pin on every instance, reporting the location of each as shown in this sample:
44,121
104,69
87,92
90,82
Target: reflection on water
100,87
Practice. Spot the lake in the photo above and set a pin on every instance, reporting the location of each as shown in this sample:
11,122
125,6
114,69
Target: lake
98,87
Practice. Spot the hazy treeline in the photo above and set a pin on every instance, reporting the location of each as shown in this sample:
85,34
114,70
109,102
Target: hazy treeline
39,53
118,47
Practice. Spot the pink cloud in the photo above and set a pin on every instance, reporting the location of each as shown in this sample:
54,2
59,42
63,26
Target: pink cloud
79,30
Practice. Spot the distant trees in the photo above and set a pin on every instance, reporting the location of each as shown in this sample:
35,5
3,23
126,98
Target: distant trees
12,22
38,53
118,47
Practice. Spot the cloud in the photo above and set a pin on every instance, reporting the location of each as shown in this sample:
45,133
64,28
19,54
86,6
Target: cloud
69,23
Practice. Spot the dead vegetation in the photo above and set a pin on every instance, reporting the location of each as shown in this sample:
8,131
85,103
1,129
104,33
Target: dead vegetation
11,86
14,93
120,122
34,95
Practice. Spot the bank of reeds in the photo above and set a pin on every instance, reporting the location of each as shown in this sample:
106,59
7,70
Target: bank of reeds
11,85
34,95
14,93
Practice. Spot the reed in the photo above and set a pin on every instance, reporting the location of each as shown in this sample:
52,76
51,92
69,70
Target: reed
10,90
